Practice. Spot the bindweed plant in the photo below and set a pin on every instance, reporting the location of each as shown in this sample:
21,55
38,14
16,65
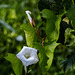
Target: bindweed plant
56,17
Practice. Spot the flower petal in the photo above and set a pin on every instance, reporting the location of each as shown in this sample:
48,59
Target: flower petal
28,51
29,17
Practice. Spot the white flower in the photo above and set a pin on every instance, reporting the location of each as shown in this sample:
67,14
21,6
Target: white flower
28,56
29,17
19,38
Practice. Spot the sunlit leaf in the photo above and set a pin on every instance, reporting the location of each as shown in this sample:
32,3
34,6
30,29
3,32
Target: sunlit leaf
16,63
57,26
49,50
30,34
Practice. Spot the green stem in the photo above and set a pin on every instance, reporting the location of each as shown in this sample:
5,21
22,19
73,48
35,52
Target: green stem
25,68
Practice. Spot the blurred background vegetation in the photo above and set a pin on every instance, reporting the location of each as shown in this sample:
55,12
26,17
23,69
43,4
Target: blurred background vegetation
12,16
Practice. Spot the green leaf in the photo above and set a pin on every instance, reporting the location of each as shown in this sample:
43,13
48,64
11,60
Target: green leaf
42,56
71,15
51,46
49,49
16,63
52,32
57,26
49,61
48,14
52,25
30,34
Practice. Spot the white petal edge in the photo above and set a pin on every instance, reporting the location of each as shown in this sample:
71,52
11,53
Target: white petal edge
29,17
33,56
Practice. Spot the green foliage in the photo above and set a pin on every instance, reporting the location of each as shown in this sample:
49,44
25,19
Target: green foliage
51,46
71,15
7,25
42,56
43,4
53,26
49,49
69,64
50,26
16,63
57,25
56,6
52,32
30,34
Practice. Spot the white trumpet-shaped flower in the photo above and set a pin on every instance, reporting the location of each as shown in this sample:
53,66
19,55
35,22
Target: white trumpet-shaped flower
28,56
